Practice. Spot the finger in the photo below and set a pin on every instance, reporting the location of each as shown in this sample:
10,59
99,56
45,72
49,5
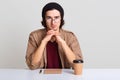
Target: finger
50,32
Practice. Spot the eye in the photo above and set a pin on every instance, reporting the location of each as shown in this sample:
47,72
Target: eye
48,17
57,17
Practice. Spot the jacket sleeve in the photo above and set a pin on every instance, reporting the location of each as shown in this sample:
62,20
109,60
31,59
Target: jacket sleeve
31,48
75,46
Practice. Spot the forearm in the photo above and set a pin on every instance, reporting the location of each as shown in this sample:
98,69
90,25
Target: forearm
36,57
68,52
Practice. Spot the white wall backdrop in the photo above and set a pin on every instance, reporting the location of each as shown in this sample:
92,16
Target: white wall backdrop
95,22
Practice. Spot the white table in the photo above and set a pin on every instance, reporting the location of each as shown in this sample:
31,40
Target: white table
67,74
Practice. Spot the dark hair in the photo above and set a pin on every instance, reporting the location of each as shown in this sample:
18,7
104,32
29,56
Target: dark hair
51,6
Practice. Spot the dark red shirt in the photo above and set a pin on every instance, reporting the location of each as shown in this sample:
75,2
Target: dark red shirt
53,58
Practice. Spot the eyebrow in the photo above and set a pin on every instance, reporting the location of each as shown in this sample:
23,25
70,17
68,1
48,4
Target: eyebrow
51,17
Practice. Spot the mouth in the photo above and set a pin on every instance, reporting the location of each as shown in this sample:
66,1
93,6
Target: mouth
53,28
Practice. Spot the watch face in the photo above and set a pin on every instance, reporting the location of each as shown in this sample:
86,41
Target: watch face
78,61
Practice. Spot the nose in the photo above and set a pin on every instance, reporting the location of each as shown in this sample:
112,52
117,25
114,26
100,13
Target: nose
53,21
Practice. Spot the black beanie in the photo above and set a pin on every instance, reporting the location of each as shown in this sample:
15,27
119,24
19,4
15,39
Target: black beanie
51,6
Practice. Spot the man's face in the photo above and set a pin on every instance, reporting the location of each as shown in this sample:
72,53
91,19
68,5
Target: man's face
53,20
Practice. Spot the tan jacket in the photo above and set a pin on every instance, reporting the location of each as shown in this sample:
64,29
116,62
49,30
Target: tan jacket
35,39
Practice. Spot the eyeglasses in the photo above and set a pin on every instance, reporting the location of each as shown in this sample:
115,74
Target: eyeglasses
55,19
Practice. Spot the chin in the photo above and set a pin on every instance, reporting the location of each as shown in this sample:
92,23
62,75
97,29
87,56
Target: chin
55,29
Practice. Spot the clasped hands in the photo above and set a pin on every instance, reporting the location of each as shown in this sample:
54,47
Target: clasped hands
52,36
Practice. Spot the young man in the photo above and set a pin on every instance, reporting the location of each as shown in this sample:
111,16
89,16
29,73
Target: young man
52,46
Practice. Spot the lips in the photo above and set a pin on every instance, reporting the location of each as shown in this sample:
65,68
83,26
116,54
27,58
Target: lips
53,27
